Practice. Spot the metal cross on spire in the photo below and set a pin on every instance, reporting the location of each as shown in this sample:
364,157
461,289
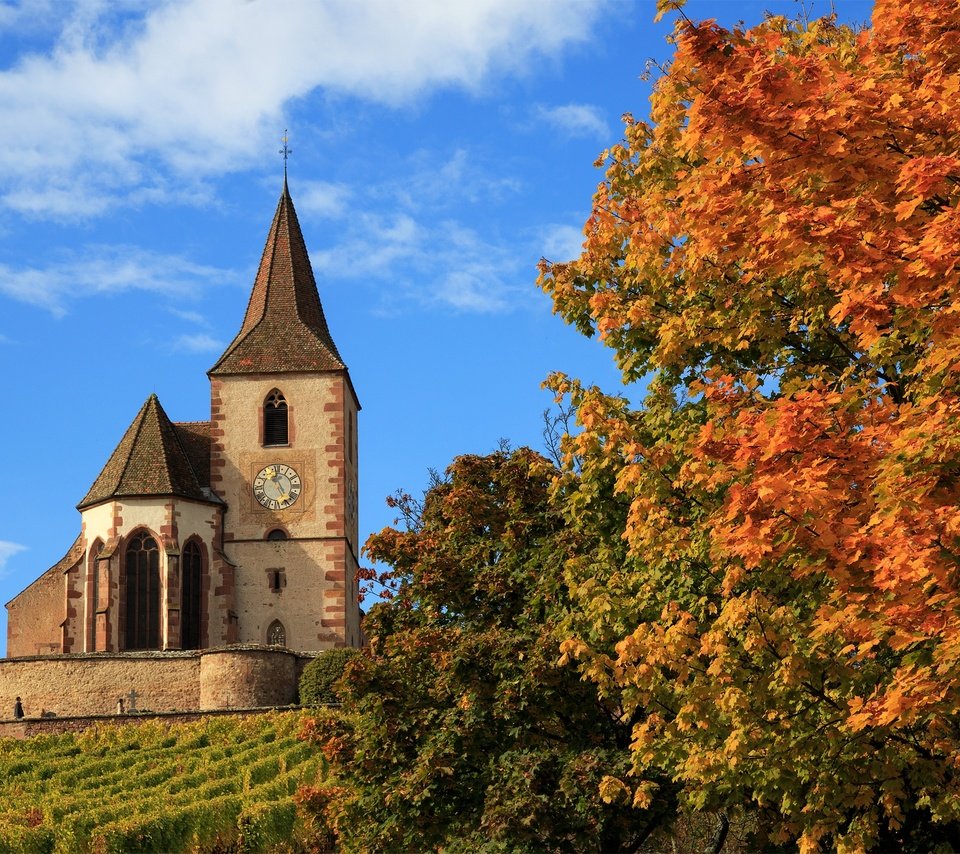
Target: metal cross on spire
286,151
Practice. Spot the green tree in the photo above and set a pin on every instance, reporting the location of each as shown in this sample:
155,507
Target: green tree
460,731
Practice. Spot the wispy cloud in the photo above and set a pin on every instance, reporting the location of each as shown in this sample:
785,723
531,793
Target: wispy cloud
448,181
322,198
561,242
408,233
198,343
101,270
7,551
575,119
189,316
127,97
442,265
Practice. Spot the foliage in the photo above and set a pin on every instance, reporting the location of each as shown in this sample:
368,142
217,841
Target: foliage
317,682
460,731
777,254
218,784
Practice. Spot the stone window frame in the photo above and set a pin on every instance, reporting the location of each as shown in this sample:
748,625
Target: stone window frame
276,578
276,634
275,402
124,622
93,592
195,541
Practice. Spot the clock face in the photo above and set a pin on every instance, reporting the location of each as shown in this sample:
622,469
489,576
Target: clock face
277,486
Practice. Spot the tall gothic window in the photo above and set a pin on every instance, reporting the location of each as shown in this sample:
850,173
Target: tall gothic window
275,430
191,563
276,634
142,579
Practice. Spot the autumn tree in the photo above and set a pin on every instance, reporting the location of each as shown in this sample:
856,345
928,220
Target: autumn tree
776,254
459,730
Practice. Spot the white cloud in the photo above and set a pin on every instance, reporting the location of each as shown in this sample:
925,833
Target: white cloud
443,265
190,316
575,119
441,182
107,270
130,97
561,242
322,198
198,343
7,551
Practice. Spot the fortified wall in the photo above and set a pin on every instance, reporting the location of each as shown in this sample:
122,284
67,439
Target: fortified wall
235,677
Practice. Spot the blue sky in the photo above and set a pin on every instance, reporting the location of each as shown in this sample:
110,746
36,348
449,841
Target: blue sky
440,148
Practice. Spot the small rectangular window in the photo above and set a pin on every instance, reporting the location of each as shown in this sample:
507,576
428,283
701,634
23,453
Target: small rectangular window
275,579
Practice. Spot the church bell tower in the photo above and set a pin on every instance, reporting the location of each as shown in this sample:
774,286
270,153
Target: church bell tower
283,459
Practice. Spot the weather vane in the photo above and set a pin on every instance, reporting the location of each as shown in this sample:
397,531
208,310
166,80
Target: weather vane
286,151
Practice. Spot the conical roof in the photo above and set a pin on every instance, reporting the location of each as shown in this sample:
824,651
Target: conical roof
284,328
150,460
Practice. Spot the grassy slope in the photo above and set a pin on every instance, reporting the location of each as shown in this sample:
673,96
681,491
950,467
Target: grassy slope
218,784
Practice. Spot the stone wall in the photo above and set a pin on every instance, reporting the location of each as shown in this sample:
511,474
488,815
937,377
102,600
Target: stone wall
257,678
90,683
34,616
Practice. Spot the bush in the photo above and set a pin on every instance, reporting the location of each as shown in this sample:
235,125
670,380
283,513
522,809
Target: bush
319,676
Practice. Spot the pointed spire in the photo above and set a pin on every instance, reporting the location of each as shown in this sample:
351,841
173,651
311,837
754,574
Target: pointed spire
284,328
150,460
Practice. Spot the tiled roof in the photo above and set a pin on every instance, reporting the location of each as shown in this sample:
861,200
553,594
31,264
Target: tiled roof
284,328
195,438
151,459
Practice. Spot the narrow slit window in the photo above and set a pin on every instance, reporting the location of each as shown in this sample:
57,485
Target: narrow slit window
275,421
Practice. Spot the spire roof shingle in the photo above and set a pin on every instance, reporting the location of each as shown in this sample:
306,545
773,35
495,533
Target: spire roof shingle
150,460
284,328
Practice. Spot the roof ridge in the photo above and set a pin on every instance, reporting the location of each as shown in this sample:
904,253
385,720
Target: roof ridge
141,417
163,445
76,543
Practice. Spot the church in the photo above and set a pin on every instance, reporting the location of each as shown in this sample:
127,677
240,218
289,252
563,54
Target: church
240,529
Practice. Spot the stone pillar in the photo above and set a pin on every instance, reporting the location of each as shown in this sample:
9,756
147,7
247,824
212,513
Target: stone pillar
171,614
72,623
107,597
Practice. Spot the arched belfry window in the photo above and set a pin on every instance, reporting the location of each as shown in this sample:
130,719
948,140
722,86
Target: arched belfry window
277,534
276,634
275,413
191,563
142,581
